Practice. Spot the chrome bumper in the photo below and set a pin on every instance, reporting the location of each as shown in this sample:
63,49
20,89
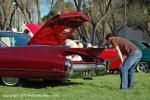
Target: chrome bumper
88,67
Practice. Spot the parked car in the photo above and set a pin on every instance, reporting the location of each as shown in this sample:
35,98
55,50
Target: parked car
144,64
14,38
110,53
45,57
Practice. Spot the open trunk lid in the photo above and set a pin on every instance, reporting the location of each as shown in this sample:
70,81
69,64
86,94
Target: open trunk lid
52,32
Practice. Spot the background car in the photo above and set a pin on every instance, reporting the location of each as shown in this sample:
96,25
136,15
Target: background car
110,53
14,38
144,64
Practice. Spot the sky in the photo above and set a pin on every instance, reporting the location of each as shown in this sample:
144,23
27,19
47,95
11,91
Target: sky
45,8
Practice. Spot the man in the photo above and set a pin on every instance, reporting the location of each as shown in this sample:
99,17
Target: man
125,47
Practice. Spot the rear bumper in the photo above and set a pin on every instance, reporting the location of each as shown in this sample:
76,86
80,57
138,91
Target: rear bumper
87,66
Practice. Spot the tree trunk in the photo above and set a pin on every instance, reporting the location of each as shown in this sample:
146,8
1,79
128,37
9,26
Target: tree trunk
23,10
11,18
38,3
82,31
0,21
4,24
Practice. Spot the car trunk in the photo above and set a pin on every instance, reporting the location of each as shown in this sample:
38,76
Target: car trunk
52,32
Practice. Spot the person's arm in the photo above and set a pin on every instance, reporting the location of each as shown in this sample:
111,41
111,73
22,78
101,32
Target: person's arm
119,53
117,49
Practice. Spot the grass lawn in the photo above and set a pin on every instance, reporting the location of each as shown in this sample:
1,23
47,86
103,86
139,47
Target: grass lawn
100,88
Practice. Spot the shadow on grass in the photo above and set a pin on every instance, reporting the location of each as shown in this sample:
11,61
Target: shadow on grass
45,84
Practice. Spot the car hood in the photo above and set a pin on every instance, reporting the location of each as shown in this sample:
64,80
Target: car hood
51,33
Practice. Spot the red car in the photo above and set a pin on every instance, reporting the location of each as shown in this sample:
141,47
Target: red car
45,56
108,54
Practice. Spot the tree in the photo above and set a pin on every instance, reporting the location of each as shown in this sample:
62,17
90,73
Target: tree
115,20
1,1
62,7
51,4
6,10
59,7
26,7
83,32
38,4
97,10
139,14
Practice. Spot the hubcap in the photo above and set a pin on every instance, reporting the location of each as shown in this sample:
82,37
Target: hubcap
10,81
142,66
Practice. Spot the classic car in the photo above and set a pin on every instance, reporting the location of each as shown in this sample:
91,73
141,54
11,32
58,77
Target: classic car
14,38
45,57
108,54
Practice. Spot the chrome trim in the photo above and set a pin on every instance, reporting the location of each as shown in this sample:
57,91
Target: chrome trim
10,81
29,70
84,67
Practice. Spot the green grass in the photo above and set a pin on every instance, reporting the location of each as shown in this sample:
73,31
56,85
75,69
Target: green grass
100,88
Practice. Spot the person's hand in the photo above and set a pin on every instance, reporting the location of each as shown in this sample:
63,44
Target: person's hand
123,59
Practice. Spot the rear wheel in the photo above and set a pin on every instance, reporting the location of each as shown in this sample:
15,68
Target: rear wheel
142,66
10,81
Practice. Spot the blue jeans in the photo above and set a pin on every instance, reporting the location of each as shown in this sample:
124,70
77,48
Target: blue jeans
128,68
